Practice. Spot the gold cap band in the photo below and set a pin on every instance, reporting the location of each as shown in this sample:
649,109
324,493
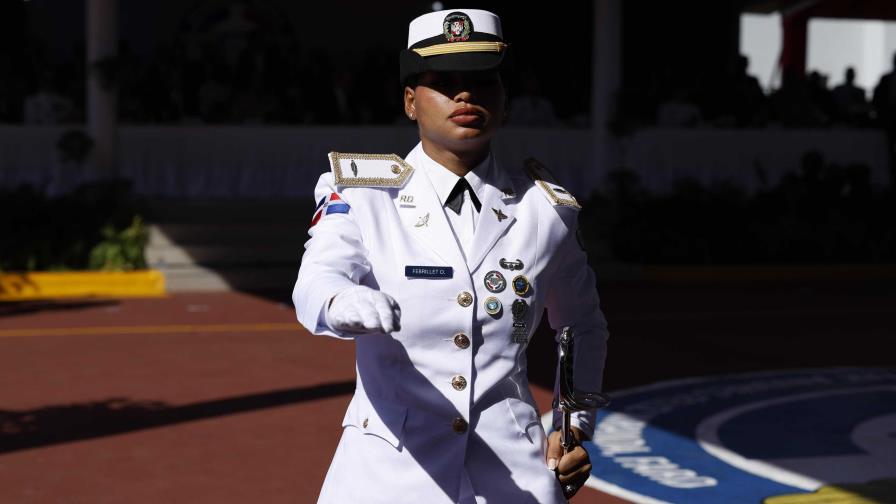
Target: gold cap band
460,47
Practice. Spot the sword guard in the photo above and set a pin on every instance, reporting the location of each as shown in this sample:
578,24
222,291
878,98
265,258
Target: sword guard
570,399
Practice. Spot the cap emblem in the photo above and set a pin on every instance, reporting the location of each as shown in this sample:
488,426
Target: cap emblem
457,27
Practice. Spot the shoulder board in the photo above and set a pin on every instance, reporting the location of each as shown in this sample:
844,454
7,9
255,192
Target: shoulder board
546,181
369,170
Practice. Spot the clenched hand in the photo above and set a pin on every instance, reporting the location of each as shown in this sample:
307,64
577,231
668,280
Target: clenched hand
573,467
360,310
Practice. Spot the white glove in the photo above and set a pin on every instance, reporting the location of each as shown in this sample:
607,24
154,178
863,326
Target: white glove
360,309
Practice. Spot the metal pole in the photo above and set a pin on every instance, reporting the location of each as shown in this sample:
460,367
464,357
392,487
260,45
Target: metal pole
606,77
102,85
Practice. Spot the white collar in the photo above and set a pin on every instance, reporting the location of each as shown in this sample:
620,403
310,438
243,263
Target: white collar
443,180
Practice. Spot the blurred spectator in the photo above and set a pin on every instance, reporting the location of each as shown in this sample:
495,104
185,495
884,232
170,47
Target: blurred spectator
741,100
46,105
884,99
318,78
850,105
530,108
130,77
192,73
157,88
792,104
678,111
253,105
382,99
234,33
820,97
345,109
215,95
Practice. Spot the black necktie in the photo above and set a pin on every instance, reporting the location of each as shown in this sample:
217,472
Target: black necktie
456,197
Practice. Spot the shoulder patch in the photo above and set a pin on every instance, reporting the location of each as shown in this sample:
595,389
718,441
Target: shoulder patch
546,181
369,170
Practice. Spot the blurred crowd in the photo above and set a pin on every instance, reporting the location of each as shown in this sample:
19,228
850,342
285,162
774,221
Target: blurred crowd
267,86
736,99
185,87
254,80
249,82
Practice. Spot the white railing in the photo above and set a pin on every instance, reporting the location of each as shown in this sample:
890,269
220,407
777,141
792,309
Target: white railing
262,161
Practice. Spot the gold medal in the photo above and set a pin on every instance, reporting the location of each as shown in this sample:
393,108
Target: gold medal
521,285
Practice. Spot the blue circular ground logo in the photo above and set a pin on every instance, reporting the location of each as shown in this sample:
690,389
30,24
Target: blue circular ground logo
819,435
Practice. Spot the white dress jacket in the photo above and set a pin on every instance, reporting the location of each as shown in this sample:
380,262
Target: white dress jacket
432,418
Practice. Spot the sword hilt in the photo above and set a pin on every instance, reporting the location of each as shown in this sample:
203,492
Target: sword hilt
568,398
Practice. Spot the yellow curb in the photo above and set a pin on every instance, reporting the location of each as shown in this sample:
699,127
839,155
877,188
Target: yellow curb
150,329
78,284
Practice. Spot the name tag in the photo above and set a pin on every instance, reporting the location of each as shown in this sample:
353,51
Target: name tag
428,271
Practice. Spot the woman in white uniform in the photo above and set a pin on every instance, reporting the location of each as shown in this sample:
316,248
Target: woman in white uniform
439,266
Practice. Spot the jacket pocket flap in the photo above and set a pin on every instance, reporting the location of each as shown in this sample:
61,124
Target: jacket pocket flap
524,414
377,417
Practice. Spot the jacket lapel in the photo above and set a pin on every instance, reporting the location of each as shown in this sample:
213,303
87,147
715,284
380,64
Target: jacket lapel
495,217
424,218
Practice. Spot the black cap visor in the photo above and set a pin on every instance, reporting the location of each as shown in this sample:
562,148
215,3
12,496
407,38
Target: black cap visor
413,64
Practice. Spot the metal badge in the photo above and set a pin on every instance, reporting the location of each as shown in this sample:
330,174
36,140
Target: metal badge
521,285
457,27
424,221
520,333
494,281
499,214
354,168
492,305
511,265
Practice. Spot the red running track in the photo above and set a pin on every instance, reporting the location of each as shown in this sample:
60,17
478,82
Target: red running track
192,398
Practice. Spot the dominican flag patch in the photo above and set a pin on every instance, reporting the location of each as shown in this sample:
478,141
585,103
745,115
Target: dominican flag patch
327,205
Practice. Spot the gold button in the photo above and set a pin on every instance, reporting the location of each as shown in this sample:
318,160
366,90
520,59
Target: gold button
461,340
395,169
459,382
364,423
459,425
465,299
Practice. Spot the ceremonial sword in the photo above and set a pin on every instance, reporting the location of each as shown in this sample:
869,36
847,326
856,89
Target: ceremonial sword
569,399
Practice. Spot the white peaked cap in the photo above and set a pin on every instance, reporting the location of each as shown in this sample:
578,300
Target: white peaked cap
457,40
430,25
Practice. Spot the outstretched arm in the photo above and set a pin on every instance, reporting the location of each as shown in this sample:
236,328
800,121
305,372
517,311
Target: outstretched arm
327,297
